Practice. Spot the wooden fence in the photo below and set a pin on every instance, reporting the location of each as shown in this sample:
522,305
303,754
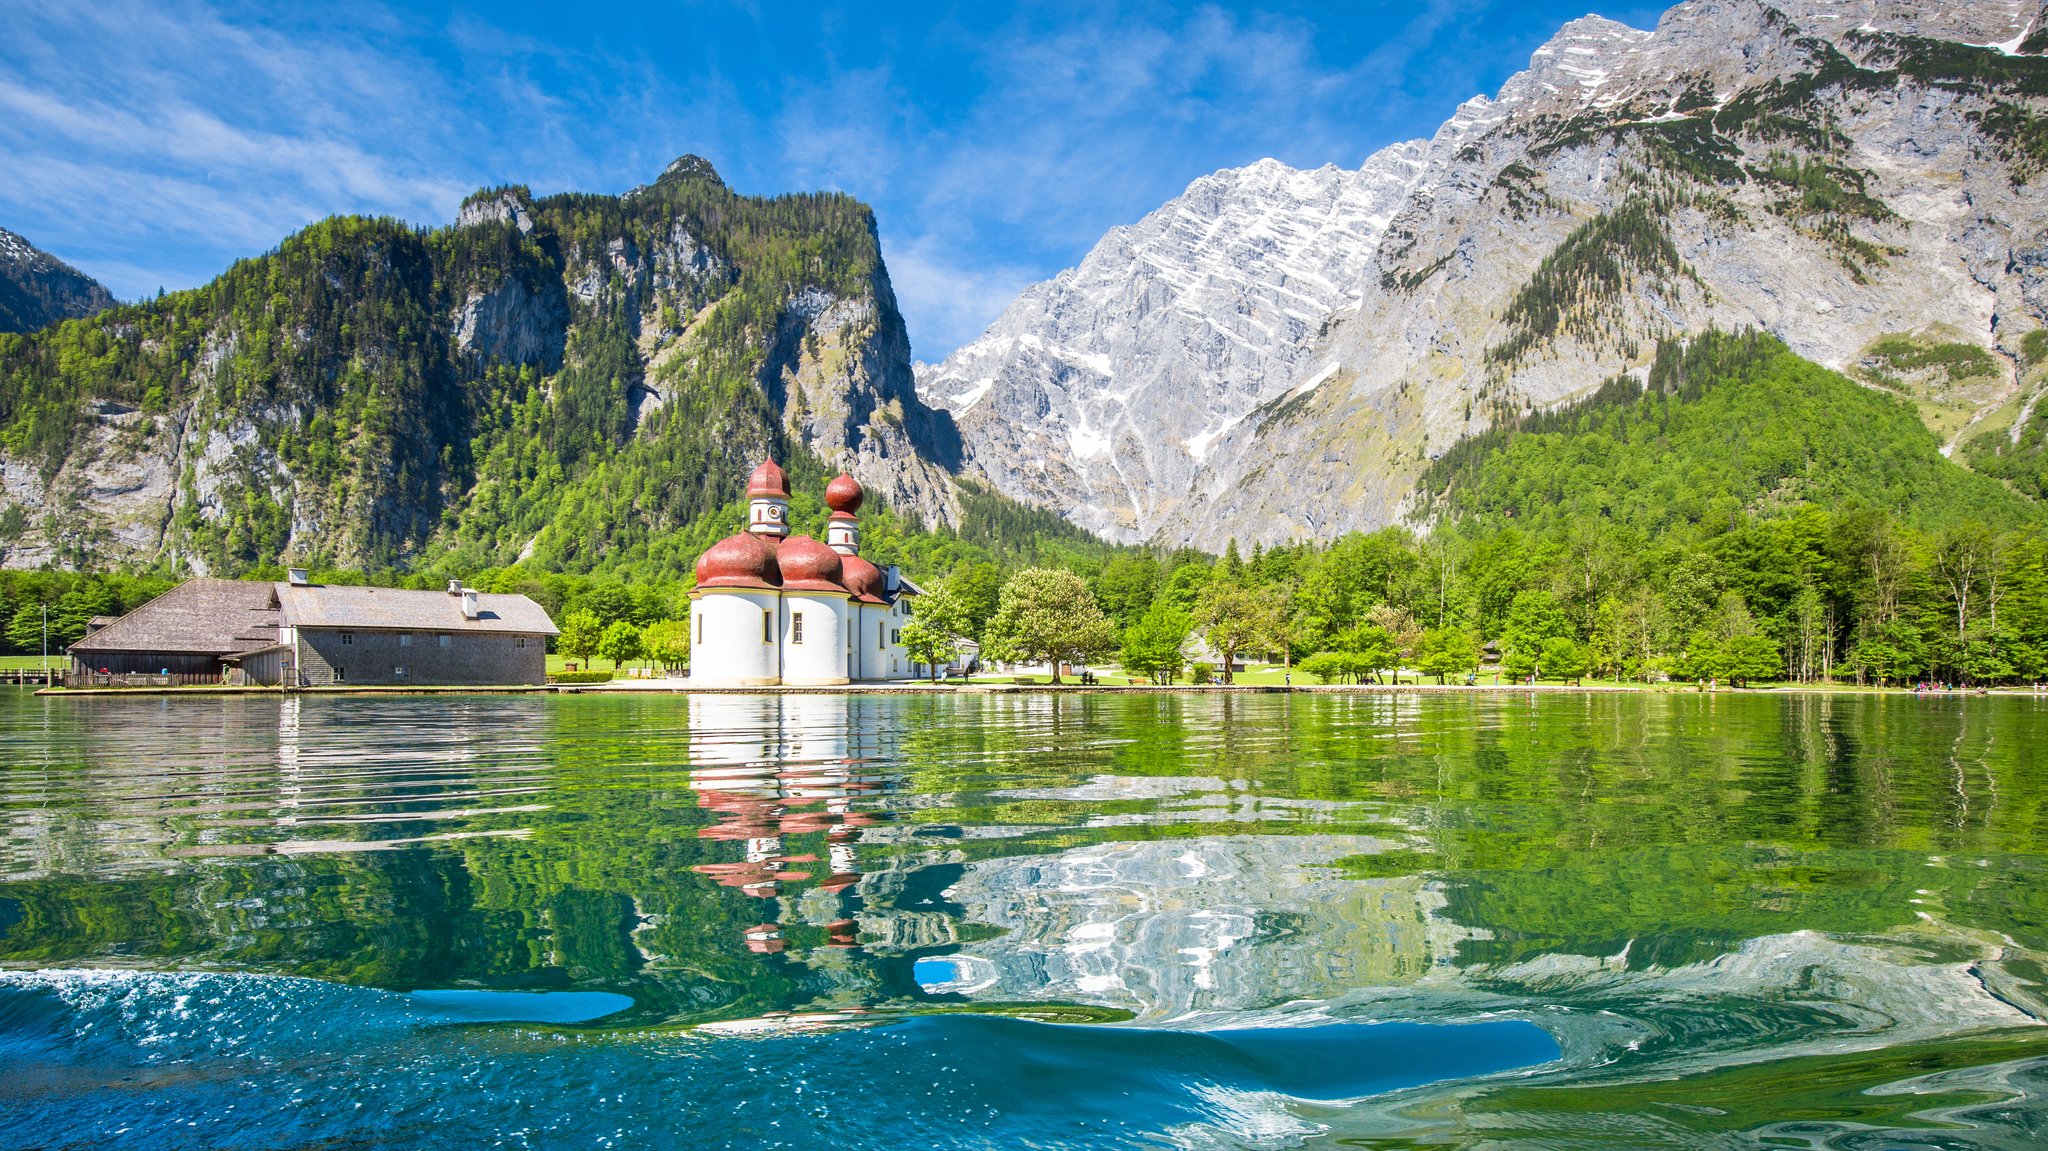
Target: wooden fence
140,679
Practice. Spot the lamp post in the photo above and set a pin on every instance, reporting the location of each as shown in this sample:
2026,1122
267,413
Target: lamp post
46,643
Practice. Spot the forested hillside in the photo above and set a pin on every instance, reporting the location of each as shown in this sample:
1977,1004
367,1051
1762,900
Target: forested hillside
578,381
1740,513
1721,425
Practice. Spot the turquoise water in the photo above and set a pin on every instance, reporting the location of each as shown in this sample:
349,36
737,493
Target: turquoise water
1091,921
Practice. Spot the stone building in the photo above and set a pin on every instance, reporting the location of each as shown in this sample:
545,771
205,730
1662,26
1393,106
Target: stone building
305,634
775,609
375,635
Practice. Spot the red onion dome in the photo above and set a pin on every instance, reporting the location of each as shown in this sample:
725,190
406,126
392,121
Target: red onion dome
808,565
844,494
744,560
864,580
768,480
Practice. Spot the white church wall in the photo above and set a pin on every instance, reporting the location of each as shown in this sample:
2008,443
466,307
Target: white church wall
726,632
813,650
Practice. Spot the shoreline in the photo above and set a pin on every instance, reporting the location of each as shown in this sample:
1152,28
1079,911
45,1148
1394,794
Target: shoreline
683,687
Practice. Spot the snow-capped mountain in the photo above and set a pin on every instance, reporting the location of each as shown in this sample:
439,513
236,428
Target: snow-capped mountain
37,288
1836,172
1100,392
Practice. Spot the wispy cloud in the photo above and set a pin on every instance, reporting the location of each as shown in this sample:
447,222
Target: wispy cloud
152,143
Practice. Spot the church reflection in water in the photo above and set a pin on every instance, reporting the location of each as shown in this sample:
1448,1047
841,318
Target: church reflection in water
780,773
1163,896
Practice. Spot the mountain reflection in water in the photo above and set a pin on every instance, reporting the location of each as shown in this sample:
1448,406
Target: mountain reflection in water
1743,920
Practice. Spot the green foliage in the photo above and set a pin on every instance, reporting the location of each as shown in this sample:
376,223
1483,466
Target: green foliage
1823,198
667,642
1534,620
1338,666
1957,361
1728,423
582,677
620,643
71,600
1126,587
1577,287
1447,651
977,588
1235,617
360,432
1047,615
1152,645
581,637
931,636
1563,658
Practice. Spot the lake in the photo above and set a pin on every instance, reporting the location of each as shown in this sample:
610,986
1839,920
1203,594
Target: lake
1386,920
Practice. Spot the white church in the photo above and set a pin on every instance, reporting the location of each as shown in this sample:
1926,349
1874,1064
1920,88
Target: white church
772,609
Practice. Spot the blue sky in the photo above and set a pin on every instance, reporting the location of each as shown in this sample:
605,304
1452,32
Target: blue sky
152,143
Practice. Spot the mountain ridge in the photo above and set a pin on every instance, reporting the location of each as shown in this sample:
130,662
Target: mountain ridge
38,289
578,380
1845,175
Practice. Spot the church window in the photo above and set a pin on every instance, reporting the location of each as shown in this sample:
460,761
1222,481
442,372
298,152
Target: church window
767,626
700,627
796,627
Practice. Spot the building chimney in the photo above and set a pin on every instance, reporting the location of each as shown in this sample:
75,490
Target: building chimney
455,587
296,577
469,608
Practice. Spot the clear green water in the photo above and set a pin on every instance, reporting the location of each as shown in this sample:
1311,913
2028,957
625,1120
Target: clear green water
1088,921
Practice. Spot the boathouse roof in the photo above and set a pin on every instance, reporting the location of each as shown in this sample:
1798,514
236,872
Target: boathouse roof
198,617
403,609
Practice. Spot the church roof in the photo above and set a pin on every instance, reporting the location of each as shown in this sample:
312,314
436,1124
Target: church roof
844,494
864,581
746,560
808,565
768,480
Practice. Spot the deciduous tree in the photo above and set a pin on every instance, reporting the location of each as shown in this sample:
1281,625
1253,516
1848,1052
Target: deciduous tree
1047,614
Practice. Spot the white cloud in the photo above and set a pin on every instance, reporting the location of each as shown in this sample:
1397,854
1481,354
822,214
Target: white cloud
151,144
952,302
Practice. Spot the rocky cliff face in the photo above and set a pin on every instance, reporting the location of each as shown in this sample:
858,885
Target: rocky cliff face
1100,393
1859,178
1821,172
571,379
38,289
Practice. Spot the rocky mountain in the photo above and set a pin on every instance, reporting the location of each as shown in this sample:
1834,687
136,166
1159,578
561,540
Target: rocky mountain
38,289
581,380
1860,178
1100,392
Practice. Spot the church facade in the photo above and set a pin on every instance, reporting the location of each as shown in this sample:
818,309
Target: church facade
772,609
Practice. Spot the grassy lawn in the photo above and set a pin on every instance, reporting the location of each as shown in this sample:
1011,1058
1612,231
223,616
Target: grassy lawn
560,663
30,662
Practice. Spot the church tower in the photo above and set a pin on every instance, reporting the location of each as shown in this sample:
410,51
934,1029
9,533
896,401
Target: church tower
768,501
842,532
